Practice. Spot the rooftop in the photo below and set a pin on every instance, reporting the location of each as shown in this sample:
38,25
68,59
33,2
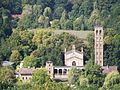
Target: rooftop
107,69
25,71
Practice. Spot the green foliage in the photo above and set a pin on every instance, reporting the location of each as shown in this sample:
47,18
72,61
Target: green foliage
73,76
112,80
29,61
15,57
47,12
78,24
40,76
55,24
7,78
111,47
94,74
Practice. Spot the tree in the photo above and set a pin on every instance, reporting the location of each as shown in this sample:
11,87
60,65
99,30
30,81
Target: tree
55,24
6,26
47,12
42,37
7,78
111,79
15,57
68,25
94,74
29,61
63,19
95,18
74,12
43,21
73,76
40,76
78,24
58,12
86,8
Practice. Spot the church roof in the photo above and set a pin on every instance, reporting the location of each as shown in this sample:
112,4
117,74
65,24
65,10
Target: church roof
68,52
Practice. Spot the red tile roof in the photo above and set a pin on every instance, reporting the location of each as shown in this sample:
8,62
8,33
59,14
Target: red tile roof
25,71
107,69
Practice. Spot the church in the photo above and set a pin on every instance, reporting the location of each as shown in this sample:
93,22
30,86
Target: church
72,58
75,58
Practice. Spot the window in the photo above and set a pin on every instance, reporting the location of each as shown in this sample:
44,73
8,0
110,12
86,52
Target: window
100,32
65,71
60,71
55,71
23,78
96,53
96,45
96,32
96,62
73,63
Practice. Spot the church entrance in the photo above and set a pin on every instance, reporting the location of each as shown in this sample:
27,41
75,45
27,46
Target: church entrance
73,63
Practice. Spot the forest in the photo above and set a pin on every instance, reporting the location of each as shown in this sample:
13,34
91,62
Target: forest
27,34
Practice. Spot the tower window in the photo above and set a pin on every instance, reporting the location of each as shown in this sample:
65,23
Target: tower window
96,62
100,32
96,53
96,45
96,32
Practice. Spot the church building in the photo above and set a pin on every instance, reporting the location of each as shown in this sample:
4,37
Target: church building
72,58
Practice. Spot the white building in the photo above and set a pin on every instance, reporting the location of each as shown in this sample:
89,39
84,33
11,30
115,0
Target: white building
72,58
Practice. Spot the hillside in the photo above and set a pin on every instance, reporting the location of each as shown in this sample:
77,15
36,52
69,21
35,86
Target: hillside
36,31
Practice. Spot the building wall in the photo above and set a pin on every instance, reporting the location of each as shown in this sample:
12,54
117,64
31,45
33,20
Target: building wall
74,57
25,78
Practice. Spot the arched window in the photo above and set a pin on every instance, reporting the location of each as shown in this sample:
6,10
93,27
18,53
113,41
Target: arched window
73,63
100,32
96,32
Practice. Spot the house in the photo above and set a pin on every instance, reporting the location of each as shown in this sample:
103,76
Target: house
25,74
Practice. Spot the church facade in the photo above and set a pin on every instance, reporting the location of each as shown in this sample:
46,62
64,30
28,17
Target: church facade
72,58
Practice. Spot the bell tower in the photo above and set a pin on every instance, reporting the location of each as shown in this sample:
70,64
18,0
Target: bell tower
49,67
98,45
